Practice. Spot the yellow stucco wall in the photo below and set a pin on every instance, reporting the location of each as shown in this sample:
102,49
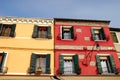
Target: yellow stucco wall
23,38
117,45
18,61
21,47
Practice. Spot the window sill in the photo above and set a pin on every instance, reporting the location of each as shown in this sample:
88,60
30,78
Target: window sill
107,74
41,38
69,74
1,73
116,43
5,37
67,39
101,40
40,74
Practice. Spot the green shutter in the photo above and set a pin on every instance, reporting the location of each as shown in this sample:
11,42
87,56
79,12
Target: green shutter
72,32
61,64
33,63
103,34
0,28
35,32
48,63
49,32
98,64
93,34
76,64
62,33
112,64
12,33
2,62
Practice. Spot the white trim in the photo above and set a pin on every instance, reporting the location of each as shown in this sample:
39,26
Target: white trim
16,73
96,27
61,32
65,54
27,20
117,37
116,43
7,23
103,54
52,74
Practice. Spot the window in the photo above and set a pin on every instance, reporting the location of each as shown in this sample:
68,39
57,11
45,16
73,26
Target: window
114,37
40,63
42,32
67,32
2,61
98,34
69,64
106,64
7,30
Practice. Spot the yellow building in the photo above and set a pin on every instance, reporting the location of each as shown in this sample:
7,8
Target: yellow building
115,33
26,46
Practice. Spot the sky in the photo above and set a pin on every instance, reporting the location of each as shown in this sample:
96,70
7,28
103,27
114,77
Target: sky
76,9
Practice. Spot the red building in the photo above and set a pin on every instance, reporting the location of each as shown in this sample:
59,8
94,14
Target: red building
84,47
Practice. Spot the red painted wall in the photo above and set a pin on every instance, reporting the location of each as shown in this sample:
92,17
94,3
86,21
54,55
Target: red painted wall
86,32
85,69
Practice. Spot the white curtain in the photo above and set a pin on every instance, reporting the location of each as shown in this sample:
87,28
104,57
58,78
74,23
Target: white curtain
67,35
104,66
68,67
